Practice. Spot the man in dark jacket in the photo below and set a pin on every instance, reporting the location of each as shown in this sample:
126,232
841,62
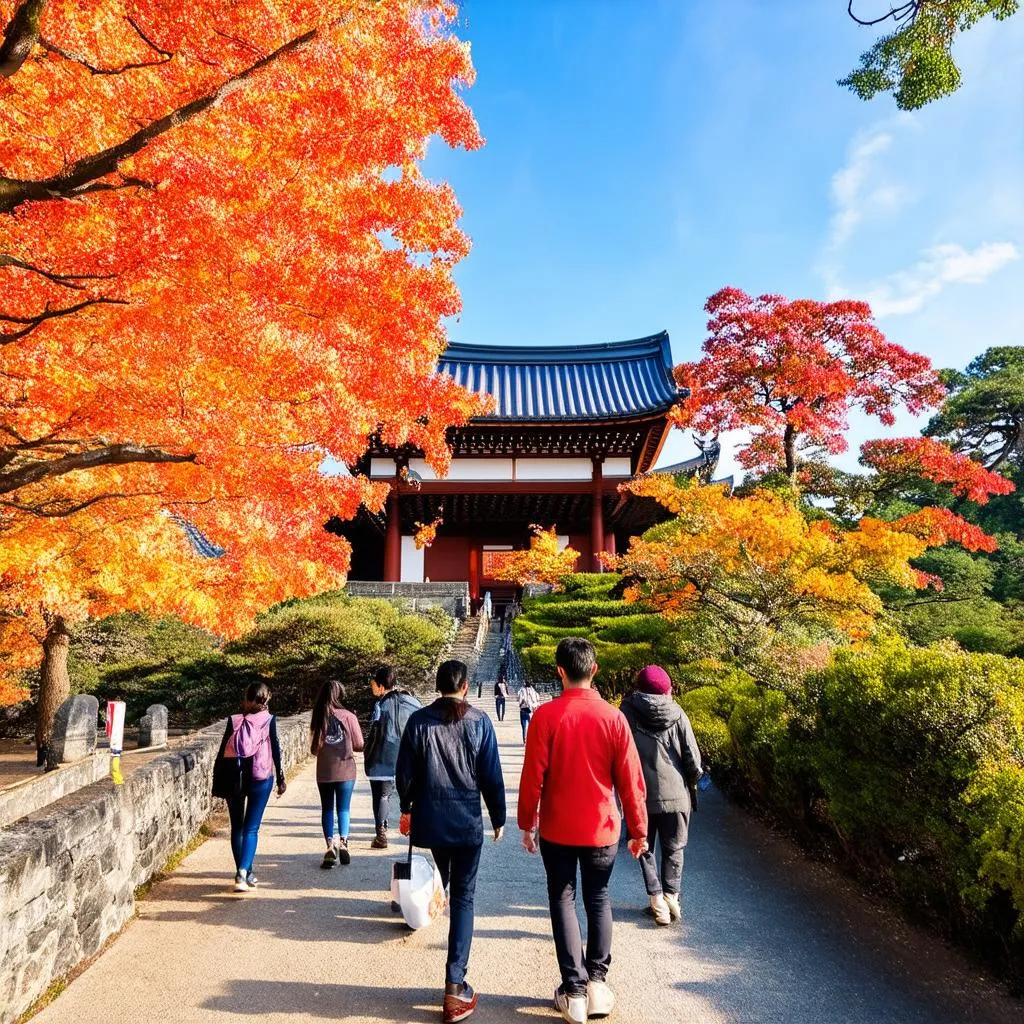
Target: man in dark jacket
390,715
671,765
448,759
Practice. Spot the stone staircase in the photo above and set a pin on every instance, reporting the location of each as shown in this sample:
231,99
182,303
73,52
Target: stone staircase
489,659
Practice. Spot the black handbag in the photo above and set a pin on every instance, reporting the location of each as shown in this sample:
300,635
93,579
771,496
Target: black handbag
228,781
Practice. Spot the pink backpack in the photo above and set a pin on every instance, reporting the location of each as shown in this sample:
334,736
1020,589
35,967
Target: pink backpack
250,737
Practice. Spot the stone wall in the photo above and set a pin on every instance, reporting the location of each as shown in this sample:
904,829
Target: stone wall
452,597
29,796
68,874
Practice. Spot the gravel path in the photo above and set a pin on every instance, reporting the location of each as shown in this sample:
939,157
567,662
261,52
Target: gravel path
767,936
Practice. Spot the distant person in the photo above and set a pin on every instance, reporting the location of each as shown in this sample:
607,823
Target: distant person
335,737
390,714
500,697
448,760
672,768
529,701
251,737
579,754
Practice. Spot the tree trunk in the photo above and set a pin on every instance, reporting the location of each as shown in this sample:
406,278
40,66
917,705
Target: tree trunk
54,683
789,447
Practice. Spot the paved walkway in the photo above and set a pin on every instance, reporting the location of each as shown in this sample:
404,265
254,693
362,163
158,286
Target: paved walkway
768,937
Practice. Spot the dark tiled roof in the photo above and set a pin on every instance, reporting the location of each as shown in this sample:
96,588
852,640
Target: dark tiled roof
200,543
617,380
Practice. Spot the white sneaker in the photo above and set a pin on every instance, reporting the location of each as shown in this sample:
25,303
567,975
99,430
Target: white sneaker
241,885
672,899
572,1008
600,999
662,915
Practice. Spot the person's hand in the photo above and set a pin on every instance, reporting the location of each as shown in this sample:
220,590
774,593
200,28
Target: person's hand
405,824
281,787
530,840
637,847
498,833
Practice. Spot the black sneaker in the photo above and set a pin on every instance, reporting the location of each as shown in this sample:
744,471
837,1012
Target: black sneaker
344,857
330,857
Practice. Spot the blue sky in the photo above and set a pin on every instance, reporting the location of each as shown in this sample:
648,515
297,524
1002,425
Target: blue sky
642,154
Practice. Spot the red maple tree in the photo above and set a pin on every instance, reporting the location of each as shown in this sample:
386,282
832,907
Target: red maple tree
790,372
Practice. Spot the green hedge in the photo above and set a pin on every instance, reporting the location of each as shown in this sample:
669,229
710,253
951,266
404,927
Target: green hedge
908,762
626,636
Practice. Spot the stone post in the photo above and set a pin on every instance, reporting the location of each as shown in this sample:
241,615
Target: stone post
74,730
153,727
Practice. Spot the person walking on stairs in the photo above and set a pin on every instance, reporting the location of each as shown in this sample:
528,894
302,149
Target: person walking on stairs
500,696
529,701
250,740
448,759
672,768
390,714
579,754
335,737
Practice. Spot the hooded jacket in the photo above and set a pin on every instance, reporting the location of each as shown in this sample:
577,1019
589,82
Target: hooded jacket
385,733
668,751
443,770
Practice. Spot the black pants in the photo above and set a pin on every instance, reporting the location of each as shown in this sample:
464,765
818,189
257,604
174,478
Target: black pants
499,706
380,793
595,868
458,866
670,829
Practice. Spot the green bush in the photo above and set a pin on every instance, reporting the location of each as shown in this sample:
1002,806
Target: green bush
294,647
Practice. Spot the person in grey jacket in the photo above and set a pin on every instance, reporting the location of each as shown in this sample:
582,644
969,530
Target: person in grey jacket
380,755
672,768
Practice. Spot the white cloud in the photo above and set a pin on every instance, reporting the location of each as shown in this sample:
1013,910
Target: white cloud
908,290
856,192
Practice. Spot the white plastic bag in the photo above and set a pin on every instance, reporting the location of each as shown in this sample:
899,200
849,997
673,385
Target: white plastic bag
421,897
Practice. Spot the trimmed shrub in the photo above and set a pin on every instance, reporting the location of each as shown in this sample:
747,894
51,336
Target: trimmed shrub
294,647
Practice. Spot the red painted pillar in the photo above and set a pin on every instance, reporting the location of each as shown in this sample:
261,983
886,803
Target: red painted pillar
597,516
392,539
474,574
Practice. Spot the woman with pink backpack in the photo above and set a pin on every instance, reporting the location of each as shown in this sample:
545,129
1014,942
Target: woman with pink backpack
248,763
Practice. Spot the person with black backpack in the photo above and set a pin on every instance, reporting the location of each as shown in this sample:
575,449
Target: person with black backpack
335,737
390,714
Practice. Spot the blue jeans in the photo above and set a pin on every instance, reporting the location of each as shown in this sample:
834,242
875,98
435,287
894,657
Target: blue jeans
458,866
525,714
499,706
335,794
246,813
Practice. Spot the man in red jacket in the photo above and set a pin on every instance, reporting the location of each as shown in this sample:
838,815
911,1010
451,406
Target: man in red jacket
579,752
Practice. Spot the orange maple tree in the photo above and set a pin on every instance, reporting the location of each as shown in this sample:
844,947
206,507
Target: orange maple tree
545,561
220,263
756,565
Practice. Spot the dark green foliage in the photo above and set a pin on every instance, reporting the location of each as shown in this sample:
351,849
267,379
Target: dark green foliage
295,648
983,415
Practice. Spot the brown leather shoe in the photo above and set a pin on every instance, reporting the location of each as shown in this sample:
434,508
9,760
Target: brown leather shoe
380,840
459,1007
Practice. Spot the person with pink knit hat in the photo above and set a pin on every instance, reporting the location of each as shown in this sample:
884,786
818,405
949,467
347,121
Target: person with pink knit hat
672,768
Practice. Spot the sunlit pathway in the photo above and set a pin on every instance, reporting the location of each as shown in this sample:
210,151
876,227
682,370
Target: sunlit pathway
768,937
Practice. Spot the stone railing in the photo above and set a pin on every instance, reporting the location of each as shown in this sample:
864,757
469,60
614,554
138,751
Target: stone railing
452,597
69,873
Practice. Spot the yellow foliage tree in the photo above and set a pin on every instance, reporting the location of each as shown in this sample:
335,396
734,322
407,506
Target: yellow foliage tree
756,565
543,562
